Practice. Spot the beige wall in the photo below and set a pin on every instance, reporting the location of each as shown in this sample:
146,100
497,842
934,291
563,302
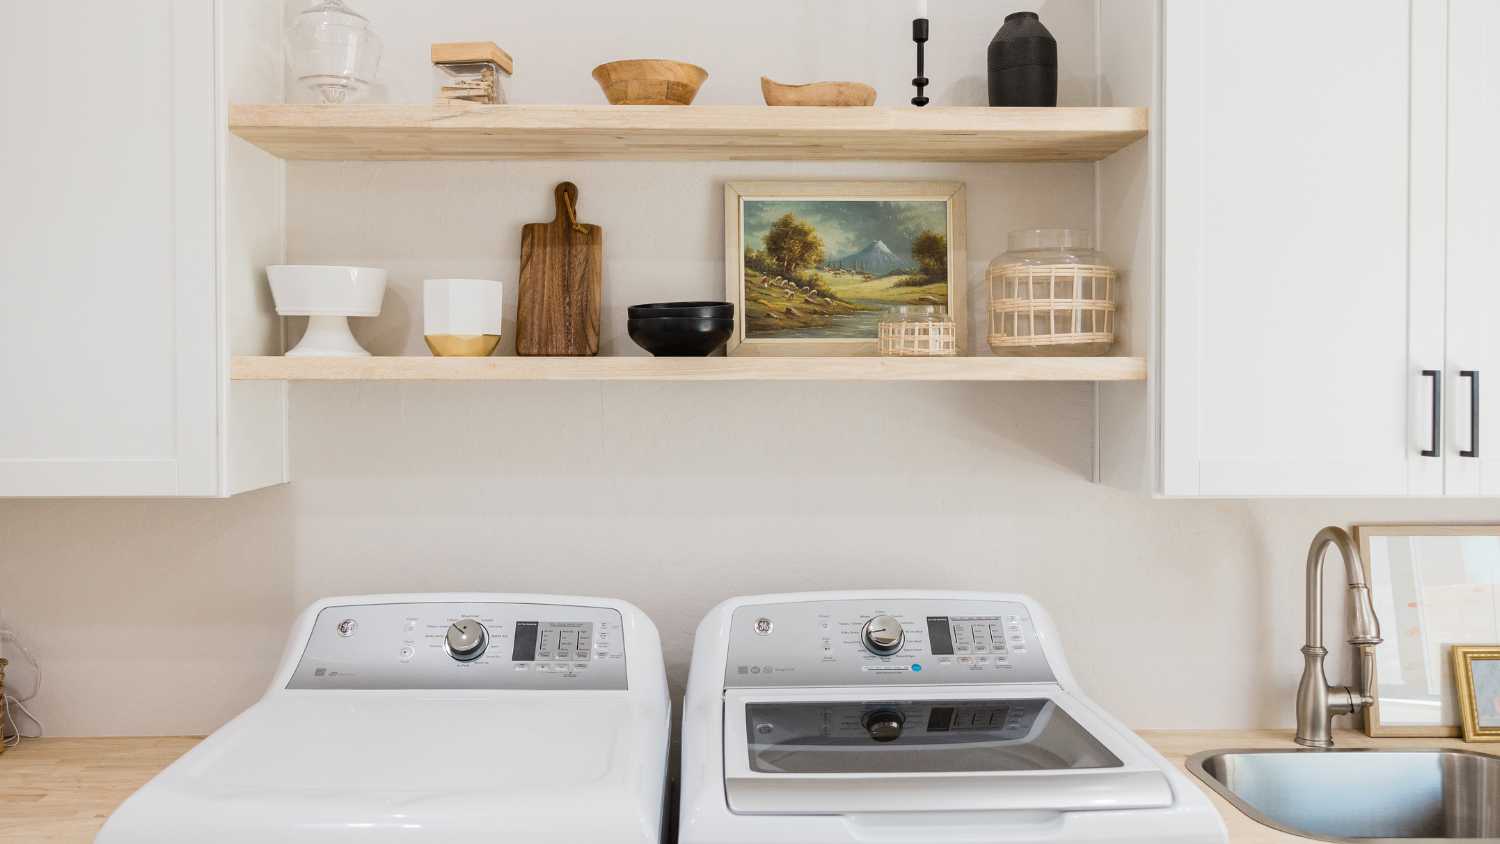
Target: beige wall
167,617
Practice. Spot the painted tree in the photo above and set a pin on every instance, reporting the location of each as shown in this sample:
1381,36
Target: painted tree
794,245
930,250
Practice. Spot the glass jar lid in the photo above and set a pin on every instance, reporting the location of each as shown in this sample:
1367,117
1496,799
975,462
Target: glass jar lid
917,313
1032,240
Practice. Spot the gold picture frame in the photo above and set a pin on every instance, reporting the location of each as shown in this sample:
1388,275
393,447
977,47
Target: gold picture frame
845,291
1414,579
1478,698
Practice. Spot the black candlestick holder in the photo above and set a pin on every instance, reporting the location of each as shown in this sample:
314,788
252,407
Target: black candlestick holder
919,30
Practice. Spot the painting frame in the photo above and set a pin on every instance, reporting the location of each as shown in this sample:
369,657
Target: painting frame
1465,660
736,194
1376,724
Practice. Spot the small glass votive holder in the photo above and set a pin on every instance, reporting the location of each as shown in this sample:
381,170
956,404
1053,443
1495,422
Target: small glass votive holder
918,331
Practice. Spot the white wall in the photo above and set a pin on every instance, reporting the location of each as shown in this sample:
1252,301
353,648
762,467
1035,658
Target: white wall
167,617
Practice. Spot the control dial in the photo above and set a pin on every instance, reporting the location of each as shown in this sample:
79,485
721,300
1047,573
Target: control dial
883,636
467,640
884,725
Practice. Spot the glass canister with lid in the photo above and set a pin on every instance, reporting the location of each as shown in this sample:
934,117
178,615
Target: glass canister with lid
332,51
1052,293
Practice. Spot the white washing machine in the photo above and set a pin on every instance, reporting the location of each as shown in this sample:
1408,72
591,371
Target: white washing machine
911,718
423,718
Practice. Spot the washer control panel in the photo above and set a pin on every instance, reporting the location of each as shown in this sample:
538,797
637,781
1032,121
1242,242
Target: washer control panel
884,642
463,646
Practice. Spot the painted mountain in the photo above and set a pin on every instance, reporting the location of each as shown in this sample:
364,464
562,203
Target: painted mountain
877,259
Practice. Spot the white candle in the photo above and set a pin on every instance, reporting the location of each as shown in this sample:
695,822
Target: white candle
922,8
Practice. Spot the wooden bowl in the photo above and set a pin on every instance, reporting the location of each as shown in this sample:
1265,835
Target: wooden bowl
817,94
650,82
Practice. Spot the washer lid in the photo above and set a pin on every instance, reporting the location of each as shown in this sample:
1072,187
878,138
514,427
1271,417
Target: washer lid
836,753
398,763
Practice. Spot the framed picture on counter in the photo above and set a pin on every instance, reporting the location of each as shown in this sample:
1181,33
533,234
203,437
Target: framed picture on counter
1434,586
1477,669
813,266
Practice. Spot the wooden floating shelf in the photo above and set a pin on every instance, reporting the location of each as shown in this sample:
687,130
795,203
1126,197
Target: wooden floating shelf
687,369
692,133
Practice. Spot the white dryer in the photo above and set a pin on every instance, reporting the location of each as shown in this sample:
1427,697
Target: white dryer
427,718
911,718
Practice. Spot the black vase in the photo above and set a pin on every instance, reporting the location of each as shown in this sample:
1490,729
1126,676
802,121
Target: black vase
1023,63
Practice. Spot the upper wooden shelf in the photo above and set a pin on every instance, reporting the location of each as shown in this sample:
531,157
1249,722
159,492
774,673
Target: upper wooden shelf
639,368
692,133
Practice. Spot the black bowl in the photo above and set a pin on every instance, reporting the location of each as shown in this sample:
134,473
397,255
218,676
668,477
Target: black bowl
679,337
693,310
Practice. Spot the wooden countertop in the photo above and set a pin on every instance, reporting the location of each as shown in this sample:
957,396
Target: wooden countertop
63,789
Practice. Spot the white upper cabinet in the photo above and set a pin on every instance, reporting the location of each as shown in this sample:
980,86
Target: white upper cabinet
1302,289
1473,249
114,332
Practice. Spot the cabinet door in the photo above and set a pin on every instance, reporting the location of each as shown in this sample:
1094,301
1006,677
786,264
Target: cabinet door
1474,247
108,353
1293,336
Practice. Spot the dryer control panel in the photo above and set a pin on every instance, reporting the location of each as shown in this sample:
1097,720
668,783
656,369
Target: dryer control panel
463,646
884,642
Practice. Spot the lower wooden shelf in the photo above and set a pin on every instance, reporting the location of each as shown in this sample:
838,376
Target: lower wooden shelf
687,369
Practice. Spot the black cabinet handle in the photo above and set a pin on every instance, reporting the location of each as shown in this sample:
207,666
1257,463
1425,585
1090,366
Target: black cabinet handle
1437,412
1473,376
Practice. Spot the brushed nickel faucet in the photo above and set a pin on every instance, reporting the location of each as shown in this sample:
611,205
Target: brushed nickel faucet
1318,702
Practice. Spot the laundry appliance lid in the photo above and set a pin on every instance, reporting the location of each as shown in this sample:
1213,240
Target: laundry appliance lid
978,748
414,761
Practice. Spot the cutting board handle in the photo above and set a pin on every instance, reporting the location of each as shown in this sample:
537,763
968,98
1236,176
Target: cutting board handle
567,206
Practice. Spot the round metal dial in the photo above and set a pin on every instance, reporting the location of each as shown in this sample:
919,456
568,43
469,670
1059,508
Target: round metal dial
883,635
884,724
467,640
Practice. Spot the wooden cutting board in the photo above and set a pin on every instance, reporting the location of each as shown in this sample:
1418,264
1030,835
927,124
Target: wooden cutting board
562,282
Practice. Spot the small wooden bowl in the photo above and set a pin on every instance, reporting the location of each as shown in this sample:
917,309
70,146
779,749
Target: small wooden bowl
817,94
650,82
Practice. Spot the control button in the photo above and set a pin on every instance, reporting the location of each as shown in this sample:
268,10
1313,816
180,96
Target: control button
883,636
966,660
347,627
579,666
884,725
411,625
466,640
981,660
407,653
523,666
916,666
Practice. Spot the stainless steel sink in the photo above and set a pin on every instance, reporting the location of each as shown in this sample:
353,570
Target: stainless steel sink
1361,795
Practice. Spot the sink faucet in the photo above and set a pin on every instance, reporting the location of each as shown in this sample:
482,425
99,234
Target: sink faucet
1318,702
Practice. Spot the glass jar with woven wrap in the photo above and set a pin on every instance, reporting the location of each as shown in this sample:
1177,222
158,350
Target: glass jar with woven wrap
1052,293
918,331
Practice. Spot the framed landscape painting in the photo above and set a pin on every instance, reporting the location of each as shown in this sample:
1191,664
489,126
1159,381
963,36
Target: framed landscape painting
811,267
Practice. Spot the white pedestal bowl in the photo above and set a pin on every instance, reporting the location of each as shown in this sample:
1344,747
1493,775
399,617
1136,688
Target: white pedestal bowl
327,296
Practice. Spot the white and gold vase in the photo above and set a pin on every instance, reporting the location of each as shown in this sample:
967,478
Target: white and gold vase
461,317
